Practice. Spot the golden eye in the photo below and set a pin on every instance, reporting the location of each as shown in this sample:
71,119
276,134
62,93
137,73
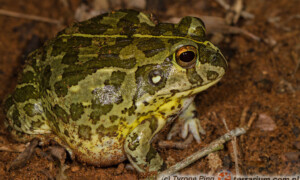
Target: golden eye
186,56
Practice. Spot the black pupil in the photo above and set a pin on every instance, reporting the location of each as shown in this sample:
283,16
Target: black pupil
187,56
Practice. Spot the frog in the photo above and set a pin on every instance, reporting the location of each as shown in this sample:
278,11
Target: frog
105,87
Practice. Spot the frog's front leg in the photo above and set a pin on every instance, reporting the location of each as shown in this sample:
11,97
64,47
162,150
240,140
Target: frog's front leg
138,146
189,122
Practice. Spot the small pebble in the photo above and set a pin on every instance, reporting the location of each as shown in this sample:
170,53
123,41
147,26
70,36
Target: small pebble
75,168
214,162
2,171
129,167
293,156
119,169
297,144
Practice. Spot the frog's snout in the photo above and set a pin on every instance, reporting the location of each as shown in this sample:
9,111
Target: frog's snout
218,60
221,60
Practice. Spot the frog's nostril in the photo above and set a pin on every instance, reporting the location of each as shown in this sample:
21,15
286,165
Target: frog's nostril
214,59
219,60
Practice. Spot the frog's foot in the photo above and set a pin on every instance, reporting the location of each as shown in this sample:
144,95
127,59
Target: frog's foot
187,122
59,154
138,146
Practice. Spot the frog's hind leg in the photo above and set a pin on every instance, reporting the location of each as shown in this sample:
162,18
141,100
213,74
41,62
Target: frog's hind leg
24,108
138,145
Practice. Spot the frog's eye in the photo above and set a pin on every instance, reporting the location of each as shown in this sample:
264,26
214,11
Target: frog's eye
186,56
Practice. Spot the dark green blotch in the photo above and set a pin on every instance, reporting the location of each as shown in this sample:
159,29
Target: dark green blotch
134,142
151,154
99,110
184,25
151,47
116,79
25,93
95,117
116,48
69,79
108,131
27,77
174,41
61,114
46,77
145,29
44,54
218,60
204,53
61,88
49,116
32,59
69,44
93,26
162,28
29,109
76,110
153,124
37,124
113,118
193,77
58,47
129,23
57,128
66,133
15,117
131,110
102,109
70,57
212,75
52,119
145,103
84,132
198,34
76,42
8,103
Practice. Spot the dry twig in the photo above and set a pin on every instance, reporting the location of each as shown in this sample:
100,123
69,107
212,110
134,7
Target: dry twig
21,160
235,151
177,145
212,147
8,147
30,17
237,9
218,25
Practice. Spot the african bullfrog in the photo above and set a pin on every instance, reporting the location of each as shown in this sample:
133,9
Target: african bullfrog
103,88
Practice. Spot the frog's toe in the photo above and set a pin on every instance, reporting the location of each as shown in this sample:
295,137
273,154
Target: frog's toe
194,127
174,130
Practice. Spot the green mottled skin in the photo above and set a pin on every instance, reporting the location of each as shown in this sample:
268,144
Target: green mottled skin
104,87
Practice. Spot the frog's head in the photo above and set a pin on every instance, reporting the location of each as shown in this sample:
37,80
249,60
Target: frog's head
191,64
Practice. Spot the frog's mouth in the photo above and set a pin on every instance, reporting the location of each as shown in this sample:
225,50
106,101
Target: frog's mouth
205,86
193,91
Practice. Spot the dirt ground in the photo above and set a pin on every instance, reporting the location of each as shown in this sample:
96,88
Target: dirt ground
263,76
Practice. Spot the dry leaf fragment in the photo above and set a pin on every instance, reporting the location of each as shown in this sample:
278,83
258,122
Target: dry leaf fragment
265,123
